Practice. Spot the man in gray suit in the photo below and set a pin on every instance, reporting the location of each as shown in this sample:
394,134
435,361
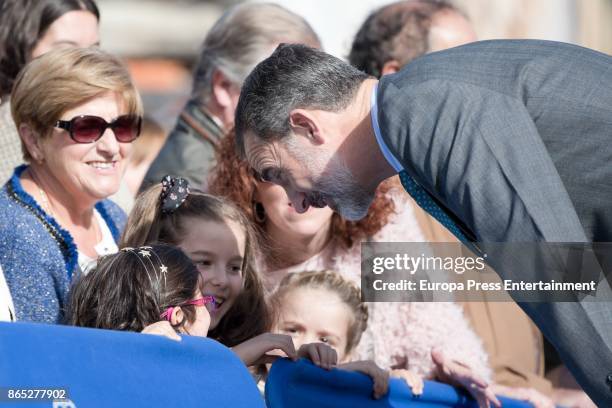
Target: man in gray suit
501,140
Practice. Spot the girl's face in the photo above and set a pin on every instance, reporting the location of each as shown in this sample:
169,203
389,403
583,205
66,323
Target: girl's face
315,315
281,215
201,324
217,249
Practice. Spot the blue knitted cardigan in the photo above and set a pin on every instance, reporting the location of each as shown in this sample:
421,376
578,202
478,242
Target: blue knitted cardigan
38,256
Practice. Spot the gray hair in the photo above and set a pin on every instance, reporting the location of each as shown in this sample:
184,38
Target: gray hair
243,36
294,76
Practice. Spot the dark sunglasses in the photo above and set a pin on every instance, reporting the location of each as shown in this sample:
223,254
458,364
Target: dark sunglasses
88,129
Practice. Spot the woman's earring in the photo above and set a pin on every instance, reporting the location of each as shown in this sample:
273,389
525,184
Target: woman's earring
259,212
38,159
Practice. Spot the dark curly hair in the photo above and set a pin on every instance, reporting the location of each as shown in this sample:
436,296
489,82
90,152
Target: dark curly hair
22,24
399,31
125,291
232,178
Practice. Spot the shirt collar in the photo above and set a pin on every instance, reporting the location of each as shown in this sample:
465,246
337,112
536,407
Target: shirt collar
392,160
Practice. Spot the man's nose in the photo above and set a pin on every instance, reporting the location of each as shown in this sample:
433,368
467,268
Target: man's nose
299,202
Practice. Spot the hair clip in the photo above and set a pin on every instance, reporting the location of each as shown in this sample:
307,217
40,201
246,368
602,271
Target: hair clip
174,193
143,254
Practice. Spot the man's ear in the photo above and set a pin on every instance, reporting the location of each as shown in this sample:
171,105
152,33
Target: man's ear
221,89
31,141
391,67
177,316
305,123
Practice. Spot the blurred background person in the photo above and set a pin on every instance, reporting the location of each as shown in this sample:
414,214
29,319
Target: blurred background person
390,38
77,113
243,36
394,35
144,151
28,29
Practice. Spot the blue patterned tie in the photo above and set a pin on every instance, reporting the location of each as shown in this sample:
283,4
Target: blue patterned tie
424,200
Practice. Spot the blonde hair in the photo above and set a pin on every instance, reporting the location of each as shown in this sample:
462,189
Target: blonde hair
347,291
63,79
147,224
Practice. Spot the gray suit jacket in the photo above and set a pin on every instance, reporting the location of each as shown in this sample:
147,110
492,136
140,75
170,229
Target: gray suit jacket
514,139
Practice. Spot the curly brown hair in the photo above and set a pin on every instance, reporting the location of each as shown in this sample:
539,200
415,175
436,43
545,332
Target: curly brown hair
233,179
123,292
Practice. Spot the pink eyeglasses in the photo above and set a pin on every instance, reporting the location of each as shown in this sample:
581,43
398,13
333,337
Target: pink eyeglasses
205,300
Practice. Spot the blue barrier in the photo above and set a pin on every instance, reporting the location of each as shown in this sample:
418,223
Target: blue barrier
102,368
303,385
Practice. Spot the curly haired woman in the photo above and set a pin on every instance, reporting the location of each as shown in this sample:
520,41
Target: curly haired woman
399,335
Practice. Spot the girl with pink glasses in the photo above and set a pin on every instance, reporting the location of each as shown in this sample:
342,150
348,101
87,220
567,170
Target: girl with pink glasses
136,287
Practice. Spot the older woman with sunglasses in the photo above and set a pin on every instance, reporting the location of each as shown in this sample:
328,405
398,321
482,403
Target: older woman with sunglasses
77,113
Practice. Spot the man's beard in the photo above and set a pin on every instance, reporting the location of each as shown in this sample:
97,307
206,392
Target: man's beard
335,184
343,193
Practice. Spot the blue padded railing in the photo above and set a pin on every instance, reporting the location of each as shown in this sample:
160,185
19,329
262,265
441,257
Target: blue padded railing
102,368
303,385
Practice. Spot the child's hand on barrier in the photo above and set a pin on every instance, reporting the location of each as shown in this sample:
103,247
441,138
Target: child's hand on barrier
257,350
378,375
414,381
320,354
162,328
456,373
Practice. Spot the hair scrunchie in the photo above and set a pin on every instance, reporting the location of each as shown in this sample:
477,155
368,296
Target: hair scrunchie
174,192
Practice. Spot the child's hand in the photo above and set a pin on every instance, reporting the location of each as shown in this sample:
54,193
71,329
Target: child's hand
458,374
162,328
378,375
414,381
254,351
320,354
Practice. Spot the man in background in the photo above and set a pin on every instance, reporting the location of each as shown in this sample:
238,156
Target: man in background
243,36
396,34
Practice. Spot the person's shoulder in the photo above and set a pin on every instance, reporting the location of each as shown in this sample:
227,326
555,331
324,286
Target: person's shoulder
113,215
16,220
486,64
402,224
183,138
184,154
113,209
13,201
9,210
